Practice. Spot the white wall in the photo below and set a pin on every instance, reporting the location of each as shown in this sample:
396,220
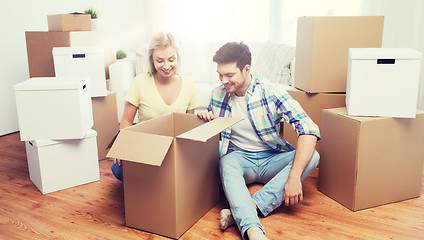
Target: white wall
134,22
126,18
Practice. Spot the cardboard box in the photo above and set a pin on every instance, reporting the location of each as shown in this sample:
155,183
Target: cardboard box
105,121
322,46
53,108
69,22
40,46
383,82
170,171
82,61
313,104
370,161
57,165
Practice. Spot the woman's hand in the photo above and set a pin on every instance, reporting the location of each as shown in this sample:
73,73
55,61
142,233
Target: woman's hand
117,161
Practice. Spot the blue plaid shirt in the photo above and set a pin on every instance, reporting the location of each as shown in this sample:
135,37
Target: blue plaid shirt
266,106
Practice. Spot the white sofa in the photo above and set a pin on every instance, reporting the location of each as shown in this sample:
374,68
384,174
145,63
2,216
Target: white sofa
270,60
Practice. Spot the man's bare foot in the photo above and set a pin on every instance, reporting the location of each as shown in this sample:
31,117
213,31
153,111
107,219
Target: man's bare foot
255,233
226,219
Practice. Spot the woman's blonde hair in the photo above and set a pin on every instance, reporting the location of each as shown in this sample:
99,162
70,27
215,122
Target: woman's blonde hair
160,41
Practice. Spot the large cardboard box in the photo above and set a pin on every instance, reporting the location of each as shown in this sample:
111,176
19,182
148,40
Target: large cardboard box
370,161
53,108
82,61
322,46
69,22
383,82
313,104
40,46
105,121
170,171
57,165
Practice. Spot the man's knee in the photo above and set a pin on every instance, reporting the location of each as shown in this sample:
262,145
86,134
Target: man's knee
228,162
225,162
314,159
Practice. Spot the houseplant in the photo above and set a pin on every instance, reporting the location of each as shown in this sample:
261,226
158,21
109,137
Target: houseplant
120,54
94,18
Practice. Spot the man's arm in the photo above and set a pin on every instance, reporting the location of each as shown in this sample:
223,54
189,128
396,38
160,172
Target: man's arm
305,149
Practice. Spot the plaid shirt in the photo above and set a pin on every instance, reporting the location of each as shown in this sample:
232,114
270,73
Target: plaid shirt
266,107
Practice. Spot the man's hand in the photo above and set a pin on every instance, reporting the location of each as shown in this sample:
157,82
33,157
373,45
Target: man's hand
206,116
293,192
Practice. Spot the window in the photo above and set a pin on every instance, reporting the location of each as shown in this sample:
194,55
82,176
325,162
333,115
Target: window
212,20
292,9
240,20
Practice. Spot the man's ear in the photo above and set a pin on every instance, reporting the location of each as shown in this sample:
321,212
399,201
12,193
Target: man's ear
246,69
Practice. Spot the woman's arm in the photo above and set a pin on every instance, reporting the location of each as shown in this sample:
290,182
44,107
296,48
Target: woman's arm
126,121
128,116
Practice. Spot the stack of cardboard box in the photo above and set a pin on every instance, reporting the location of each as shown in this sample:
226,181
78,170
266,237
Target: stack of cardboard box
366,160
56,105
55,120
322,48
74,31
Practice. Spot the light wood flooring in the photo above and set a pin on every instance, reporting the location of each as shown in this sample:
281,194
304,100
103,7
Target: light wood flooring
96,211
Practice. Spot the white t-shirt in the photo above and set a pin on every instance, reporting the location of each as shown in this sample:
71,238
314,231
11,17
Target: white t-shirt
243,134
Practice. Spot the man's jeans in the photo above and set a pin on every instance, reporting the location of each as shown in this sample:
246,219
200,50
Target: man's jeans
272,168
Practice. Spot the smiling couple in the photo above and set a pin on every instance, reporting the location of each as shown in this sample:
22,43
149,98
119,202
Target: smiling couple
252,150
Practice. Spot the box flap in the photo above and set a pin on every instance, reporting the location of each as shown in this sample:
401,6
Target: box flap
384,53
342,111
48,142
209,129
140,147
77,51
52,83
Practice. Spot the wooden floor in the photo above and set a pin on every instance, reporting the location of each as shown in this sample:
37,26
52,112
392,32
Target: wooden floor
96,211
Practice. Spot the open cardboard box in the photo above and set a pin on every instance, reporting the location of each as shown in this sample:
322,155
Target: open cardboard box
170,171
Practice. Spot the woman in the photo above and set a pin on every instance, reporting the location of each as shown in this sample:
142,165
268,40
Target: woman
160,91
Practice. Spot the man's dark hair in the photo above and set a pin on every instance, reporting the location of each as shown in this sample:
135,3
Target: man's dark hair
234,52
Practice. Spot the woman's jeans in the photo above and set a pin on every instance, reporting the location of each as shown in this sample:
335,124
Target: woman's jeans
117,170
272,168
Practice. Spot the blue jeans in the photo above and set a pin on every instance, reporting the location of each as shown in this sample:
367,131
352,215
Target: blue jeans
117,170
272,168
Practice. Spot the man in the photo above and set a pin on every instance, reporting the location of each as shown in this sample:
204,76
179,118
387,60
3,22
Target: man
252,150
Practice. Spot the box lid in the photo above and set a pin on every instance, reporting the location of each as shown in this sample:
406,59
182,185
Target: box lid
151,149
342,111
52,83
384,53
47,142
77,51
